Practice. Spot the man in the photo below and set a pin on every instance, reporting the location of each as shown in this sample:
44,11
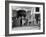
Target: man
21,13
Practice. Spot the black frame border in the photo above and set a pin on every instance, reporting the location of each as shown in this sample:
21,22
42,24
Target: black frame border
7,18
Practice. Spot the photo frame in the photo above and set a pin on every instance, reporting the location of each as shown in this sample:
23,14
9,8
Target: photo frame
24,18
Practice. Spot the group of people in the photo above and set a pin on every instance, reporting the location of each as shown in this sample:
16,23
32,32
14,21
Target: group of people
23,19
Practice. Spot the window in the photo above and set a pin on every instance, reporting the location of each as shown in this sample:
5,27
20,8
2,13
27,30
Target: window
37,9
